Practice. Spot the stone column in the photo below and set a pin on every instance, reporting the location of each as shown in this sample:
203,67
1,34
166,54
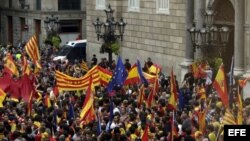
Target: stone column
200,7
189,52
239,37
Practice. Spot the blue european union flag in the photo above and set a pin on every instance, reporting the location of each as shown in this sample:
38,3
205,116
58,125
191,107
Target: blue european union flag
119,76
139,69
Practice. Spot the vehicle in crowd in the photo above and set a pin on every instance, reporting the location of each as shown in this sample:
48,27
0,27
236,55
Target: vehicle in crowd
72,50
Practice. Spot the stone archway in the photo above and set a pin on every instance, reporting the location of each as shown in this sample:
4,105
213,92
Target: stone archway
225,16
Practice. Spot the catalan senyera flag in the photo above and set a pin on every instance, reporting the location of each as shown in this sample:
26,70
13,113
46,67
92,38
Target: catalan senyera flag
145,134
240,109
2,97
84,66
88,114
228,118
220,85
98,74
173,91
32,50
10,66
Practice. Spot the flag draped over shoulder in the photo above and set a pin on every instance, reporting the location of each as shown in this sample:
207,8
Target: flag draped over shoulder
32,50
10,66
2,97
202,121
88,114
173,91
119,76
220,85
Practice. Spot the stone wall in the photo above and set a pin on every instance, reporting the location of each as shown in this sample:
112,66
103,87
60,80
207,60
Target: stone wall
147,34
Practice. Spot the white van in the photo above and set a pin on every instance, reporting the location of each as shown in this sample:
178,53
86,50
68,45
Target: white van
72,50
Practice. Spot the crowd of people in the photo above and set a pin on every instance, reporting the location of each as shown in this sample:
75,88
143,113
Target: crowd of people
129,121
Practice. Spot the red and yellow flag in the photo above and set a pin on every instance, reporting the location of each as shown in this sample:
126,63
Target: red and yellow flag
228,118
2,97
220,85
173,91
145,134
32,50
10,66
88,114
240,110
25,67
47,101
202,120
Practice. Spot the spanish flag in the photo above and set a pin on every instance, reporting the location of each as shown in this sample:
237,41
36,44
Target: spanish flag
173,91
220,85
88,114
154,69
32,50
2,97
47,101
10,66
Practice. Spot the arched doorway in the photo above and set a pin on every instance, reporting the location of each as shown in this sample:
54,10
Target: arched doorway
225,16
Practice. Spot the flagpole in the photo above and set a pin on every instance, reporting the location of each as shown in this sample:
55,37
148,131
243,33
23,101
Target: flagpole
218,134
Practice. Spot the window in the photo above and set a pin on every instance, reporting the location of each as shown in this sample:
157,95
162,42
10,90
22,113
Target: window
100,4
38,4
162,6
70,26
69,4
133,5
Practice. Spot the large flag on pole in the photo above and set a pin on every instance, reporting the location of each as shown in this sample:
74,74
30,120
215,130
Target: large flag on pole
220,85
32,50
119,76
88,114
173,91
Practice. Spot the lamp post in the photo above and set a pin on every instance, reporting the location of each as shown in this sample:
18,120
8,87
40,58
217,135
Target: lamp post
51,25
109,34
210,35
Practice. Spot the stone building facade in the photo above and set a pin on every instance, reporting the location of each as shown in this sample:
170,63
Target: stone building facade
20,19
158,29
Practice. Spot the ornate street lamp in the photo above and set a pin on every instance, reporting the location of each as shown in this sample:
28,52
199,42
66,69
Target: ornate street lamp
109,34
209,35
51,25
